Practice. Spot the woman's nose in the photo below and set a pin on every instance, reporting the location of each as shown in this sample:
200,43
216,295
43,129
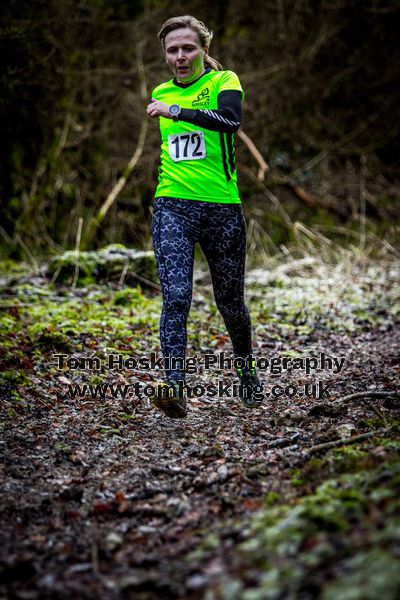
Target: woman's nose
180,53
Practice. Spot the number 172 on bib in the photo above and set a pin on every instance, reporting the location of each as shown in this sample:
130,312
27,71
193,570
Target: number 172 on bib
187,146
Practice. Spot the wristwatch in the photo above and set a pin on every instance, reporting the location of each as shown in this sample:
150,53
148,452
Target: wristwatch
174,111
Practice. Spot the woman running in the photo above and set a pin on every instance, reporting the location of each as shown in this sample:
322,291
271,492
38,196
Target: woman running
197,200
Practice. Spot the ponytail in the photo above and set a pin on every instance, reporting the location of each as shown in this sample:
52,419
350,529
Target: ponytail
214,64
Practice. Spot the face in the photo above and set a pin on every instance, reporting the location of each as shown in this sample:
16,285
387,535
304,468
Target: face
184,54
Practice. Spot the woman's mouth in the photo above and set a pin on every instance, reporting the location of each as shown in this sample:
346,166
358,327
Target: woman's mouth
182,69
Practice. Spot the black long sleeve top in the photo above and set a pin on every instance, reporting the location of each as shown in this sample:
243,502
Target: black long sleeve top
226,119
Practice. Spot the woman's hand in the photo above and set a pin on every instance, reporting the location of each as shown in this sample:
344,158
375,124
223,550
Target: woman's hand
158,109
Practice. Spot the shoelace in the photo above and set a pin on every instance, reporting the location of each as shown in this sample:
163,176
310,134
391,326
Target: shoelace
247,371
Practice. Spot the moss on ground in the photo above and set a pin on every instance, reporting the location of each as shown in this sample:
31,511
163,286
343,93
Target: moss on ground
43,321
112,262
339,539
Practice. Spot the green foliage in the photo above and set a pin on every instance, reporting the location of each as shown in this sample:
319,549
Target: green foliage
12,377
48,338
272,498
367,576
63,323
129,297
297,480
9,267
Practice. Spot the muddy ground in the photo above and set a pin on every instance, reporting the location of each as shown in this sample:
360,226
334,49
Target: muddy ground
108,498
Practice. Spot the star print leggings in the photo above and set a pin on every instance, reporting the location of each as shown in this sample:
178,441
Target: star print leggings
221,232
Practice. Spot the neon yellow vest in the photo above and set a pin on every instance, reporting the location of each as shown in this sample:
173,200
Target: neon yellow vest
196,163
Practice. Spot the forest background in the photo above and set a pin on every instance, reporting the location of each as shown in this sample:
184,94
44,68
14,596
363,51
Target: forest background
322,107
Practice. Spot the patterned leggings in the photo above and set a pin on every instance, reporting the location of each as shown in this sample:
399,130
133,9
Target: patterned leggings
221,232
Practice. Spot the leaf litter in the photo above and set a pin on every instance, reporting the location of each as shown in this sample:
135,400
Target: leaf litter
107,498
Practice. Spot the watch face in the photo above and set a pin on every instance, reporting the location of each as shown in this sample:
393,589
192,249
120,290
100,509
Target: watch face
174,109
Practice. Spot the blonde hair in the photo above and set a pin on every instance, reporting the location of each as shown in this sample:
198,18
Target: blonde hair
205,35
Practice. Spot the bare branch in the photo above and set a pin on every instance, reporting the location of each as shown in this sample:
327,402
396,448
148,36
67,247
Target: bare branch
77,246
345,441
256,153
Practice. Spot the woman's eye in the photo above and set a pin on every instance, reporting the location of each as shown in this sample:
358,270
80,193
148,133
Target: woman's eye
175,50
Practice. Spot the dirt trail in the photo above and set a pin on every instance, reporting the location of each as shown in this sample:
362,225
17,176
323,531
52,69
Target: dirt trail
97,505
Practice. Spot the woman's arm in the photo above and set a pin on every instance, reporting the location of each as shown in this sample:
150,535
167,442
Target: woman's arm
226,119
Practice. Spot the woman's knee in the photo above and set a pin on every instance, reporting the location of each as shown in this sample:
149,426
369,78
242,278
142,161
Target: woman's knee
232,309
177,302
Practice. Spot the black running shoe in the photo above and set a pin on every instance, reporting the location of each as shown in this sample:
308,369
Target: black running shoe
170,397
251,388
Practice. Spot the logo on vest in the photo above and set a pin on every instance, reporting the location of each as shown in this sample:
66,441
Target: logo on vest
203,99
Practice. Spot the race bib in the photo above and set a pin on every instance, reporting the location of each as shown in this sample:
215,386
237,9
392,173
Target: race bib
187,146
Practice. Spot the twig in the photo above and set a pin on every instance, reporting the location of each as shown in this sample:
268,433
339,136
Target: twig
345,441
256,153
63,136
94,551
140,278
56,274
250,233
127,171
369,395
5,235
47,237
312,201
316,236
77,246
274,200
306,197
375,409
378,413
300,192
389,247
363,169
29,253
362,436
123,274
